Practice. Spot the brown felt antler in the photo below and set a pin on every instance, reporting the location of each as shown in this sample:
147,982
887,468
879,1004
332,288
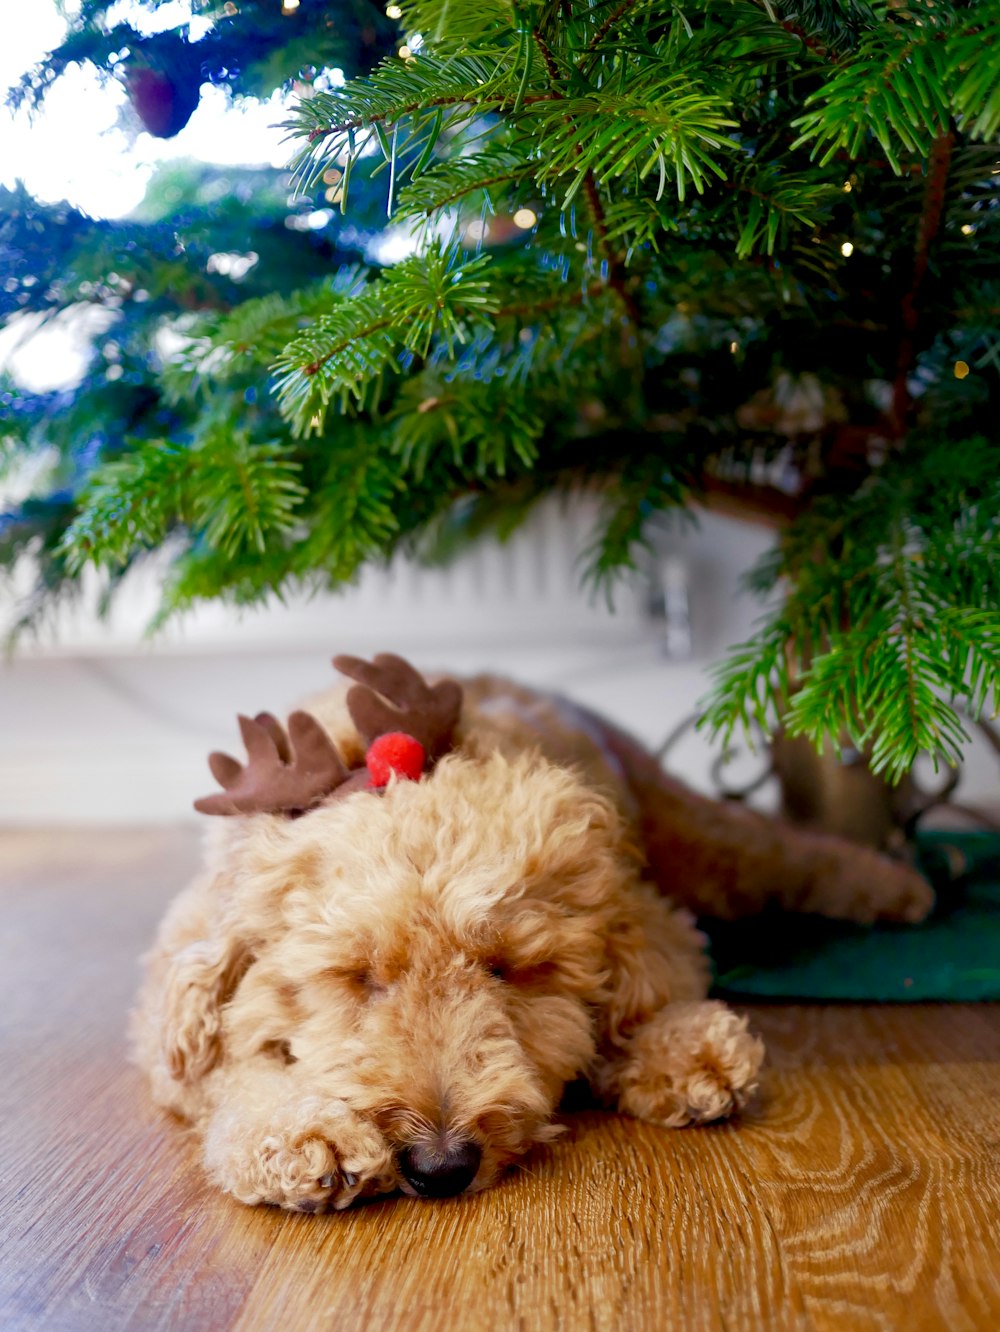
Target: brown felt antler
284,773
392,696
290,773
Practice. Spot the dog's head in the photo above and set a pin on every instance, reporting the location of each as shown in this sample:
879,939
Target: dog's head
437,957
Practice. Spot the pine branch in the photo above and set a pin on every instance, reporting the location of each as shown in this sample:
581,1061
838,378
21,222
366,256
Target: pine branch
129,505
223,348
757,186
810,43
339,355
976,79
352,511
777,202
445,184
885,628
450,26
624,529
927,230
260,509
863,97
438,296
483,427
608,25
667,126
399,93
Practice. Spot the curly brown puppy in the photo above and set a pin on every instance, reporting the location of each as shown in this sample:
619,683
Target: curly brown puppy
393,990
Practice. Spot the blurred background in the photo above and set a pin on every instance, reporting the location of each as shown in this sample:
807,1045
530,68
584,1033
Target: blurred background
99,725
101,722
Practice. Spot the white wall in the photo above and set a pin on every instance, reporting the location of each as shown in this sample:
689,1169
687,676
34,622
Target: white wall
98,726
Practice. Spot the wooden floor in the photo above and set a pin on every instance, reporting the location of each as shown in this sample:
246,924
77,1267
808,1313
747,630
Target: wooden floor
862,1192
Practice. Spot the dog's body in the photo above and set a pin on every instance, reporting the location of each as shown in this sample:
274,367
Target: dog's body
393,991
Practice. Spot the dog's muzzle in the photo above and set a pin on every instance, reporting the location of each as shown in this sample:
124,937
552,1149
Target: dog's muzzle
440,1171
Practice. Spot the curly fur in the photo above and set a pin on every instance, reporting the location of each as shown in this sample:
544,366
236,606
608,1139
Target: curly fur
431,967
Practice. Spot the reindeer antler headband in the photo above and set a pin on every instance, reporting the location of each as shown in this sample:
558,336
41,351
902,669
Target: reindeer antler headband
406,723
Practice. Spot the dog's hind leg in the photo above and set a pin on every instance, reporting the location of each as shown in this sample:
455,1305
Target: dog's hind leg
721,859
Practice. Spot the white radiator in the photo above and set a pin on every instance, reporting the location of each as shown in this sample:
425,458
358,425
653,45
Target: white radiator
98,726
529,587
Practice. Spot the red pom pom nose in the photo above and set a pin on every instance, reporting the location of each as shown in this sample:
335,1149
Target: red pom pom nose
394,753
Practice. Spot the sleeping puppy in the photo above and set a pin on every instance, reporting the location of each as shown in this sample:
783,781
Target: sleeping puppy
430,908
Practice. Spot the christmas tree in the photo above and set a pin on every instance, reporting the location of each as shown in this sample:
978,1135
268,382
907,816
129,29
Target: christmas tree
740,252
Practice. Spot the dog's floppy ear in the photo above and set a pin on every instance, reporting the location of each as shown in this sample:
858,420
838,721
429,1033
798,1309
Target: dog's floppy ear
200,955
199,980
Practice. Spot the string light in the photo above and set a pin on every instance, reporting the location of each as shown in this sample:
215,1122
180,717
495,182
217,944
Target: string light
393,12
405,53
848,187
289,6
847,249
968,229
525,219
961,369
477,230
734,347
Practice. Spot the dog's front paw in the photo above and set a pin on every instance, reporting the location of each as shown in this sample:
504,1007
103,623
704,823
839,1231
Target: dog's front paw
690,1064
304,1176
320,1158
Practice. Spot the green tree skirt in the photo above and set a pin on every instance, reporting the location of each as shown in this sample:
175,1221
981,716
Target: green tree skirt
954,955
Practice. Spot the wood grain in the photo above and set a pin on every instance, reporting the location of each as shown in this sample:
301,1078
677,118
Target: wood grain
861,1192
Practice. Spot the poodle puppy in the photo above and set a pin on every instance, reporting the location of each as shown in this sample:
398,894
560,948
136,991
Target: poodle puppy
389,970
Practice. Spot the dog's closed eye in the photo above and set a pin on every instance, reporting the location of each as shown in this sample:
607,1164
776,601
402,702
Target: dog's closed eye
365,981
280,1050
526,975
360,980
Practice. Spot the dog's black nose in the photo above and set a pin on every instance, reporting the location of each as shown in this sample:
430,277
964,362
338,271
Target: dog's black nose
440,1172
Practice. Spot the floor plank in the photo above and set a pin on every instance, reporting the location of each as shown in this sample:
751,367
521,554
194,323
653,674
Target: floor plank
861,1192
